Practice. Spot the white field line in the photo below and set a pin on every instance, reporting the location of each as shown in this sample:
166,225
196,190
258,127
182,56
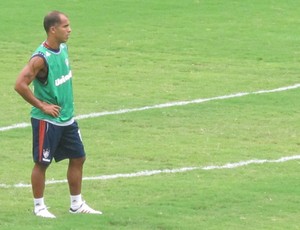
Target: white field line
159,106
164,171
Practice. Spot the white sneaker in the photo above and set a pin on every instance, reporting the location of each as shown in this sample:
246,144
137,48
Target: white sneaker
84,208
43,212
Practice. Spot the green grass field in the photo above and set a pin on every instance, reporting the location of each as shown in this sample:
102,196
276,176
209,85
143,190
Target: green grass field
128,54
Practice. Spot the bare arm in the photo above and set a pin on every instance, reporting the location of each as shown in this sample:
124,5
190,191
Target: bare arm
26,76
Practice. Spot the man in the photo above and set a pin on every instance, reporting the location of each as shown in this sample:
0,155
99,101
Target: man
55,132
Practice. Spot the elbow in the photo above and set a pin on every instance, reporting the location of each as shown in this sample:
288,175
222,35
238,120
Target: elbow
16,88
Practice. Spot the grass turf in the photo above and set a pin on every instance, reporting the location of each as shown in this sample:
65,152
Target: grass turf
130,54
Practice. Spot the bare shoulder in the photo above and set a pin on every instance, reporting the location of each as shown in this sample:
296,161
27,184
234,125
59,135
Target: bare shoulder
31,70
36,67
36,63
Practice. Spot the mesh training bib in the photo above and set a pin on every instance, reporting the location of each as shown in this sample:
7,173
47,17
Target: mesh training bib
58,87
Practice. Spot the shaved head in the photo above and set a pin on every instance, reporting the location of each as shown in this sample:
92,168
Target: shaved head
52,19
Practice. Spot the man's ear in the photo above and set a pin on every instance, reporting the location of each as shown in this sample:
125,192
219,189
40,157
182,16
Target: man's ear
52,29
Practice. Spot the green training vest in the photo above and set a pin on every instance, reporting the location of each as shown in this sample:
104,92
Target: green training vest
58,87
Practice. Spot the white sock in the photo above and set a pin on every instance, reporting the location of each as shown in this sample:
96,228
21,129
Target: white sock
76,201
38,203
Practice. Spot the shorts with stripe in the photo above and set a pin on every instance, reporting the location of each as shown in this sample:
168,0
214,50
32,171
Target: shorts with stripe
53,141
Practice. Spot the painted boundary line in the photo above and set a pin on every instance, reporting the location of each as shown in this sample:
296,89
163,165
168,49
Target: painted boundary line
165,171
159,106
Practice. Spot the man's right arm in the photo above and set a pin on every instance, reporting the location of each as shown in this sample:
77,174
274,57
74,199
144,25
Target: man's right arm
26,76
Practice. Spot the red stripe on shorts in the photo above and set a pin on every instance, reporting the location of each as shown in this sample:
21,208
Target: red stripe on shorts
42,127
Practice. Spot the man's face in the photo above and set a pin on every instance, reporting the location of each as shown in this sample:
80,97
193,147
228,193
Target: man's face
63,30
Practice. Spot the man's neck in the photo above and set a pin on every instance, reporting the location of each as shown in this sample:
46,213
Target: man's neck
51,45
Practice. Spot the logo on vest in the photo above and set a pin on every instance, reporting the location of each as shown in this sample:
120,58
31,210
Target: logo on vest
67,62
63,79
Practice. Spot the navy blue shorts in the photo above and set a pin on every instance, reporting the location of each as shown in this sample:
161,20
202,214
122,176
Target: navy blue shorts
53,141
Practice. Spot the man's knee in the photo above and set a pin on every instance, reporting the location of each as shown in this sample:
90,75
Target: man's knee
40,167
77,161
